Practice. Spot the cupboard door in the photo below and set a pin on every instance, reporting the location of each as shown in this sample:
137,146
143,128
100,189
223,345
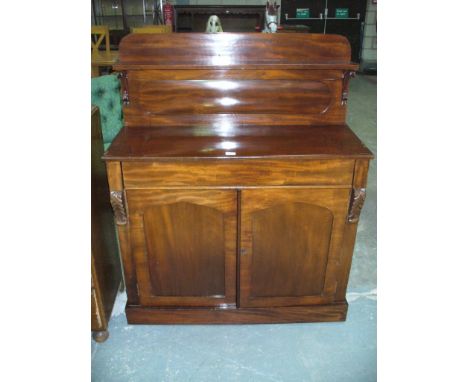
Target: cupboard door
184,246
290,245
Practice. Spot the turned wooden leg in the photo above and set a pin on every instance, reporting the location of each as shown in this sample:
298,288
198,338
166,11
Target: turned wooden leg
100,336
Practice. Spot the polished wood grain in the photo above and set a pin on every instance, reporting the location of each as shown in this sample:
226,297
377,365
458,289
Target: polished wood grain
282,315
233,96
265,96
251,78
333,116
184,246
220,50
239,173
185,241
216,139
236,74
236,170
105,264
290,243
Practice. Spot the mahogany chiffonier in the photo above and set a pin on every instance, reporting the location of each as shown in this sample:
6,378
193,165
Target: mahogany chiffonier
236,183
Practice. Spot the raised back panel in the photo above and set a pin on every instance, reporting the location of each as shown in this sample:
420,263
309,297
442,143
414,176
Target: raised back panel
255,79
201,50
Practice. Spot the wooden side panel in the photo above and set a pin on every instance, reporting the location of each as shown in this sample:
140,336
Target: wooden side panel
349,238
290,245
248,172
114,177
184,246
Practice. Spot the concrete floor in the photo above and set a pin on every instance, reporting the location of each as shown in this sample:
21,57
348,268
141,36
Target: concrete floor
324,352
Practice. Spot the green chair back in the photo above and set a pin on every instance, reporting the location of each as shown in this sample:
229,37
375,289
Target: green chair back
105,94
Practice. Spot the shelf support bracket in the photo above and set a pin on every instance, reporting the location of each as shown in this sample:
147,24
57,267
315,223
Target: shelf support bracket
347,75
124,84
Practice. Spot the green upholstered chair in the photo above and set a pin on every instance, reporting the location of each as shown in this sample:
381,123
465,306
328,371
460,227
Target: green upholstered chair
105,94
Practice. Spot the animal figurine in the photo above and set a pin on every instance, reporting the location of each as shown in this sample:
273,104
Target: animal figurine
271,18
213,25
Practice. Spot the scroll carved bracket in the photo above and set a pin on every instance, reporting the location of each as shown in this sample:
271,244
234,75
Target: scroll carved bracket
118,205
346,77
357,201
124,83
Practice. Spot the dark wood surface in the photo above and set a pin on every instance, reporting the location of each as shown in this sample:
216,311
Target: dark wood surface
239,173
184,246
282,315
230,96
290,244
231,50
105,264
236,183
238,79
318,142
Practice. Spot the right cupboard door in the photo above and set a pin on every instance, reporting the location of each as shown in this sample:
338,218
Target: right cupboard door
290,245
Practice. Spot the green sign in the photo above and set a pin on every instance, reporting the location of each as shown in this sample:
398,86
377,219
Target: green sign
342,13
302,13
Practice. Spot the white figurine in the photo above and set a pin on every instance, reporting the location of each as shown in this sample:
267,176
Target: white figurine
213,25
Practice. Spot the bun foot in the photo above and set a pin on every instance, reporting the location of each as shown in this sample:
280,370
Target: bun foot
100,336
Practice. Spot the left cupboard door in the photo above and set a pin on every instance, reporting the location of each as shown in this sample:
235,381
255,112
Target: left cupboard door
184,245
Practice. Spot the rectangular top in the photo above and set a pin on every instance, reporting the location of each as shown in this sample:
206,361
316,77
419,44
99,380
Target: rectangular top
218,141
234,50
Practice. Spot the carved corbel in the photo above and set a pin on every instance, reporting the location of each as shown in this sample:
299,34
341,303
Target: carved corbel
118,205
357,201
346,77
124,84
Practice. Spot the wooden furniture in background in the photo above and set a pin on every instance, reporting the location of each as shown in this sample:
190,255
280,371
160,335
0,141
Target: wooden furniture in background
106,273
101,34
153,29
99,58
236,183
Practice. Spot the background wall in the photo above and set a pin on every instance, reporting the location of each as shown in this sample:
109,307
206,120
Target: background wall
223,2
369,45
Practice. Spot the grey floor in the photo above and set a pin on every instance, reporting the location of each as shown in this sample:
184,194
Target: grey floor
325,352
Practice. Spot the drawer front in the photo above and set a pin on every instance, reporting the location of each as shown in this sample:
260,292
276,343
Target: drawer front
238,173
